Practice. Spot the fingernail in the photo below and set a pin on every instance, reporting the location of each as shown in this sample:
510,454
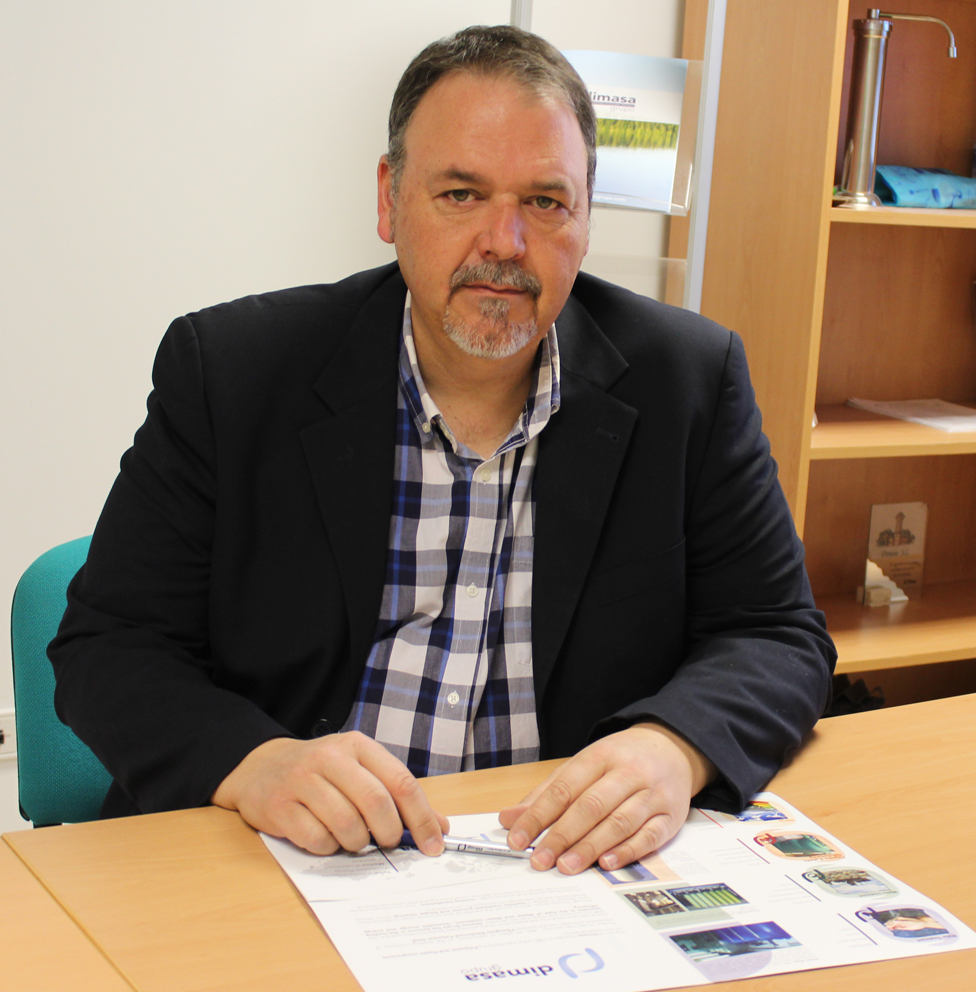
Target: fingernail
543,859
434,846
569,863
519,840
610,861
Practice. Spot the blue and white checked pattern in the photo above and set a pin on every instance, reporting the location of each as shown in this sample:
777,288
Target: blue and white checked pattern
448,683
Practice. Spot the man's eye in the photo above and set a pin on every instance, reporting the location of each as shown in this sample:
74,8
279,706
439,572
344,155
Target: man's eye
459,195
546,203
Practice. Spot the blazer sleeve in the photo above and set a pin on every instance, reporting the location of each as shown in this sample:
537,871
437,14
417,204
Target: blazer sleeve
756,672
134,673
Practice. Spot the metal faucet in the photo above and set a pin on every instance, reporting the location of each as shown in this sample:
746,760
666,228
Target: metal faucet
864,109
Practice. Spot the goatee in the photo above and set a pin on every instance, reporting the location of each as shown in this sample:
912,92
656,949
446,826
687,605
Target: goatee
493,336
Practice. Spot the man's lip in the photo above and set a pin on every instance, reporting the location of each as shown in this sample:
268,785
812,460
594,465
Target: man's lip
488,288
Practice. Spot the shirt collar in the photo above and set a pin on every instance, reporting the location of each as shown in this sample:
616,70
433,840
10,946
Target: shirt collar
543,400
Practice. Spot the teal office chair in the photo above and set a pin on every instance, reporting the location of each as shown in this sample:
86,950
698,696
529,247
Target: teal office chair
60,780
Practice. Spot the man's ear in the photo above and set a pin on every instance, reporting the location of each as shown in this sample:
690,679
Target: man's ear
384,200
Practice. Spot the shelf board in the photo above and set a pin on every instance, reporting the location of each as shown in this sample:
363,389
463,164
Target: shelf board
941,626
903,216
846,432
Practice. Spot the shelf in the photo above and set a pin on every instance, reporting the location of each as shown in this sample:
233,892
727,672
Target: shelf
903,216
846,432
941,626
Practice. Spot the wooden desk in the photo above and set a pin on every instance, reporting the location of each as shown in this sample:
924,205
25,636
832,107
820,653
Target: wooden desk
191,900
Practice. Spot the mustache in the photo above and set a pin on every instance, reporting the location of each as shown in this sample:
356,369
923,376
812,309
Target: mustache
509,275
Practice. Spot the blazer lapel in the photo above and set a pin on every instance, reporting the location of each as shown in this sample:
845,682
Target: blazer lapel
350,456
580,454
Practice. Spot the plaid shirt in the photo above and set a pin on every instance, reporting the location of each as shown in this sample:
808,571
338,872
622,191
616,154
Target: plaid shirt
448,683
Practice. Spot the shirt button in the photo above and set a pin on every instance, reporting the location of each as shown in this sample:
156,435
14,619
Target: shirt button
484,474
454,699
425,426
472,590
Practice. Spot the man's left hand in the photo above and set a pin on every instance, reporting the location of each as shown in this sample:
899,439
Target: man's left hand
616,801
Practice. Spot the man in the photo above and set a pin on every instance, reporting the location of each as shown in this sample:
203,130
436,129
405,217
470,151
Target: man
470,509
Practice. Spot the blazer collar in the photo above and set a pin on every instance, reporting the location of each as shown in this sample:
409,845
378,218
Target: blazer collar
366,360
585,350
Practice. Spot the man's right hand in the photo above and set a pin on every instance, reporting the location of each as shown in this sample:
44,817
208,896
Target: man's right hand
330,793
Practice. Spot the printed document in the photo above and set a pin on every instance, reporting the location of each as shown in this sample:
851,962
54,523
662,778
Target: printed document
761,893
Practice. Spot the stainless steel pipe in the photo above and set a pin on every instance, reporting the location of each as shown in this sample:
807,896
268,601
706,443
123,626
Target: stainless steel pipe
864,111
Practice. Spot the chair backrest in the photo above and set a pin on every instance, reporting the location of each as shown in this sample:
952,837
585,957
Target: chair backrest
60,780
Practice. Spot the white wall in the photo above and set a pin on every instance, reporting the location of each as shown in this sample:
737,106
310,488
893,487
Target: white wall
161,157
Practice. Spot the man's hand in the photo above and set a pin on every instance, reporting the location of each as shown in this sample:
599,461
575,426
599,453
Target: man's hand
331,793
617,800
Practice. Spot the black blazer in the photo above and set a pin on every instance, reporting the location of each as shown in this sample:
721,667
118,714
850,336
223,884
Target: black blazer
235,575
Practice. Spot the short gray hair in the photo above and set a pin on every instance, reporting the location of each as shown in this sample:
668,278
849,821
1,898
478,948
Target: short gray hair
493,51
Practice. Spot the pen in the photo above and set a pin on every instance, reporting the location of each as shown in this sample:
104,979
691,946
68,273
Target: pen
467,846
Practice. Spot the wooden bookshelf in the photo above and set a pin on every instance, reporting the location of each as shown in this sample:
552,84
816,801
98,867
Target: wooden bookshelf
834,302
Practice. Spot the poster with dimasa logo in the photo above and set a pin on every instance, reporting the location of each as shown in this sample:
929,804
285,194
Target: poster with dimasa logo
637,99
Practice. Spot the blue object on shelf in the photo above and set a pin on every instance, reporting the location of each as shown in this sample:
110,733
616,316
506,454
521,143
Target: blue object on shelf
903,186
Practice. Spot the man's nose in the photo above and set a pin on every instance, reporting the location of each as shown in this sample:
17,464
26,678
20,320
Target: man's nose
503,236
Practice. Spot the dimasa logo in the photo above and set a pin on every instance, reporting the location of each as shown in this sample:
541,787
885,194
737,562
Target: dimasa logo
575,969
494,971
576,964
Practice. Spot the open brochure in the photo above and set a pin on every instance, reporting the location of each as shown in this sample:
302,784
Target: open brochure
761,893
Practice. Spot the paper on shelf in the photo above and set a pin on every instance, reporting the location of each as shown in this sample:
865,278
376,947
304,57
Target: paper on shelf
942,415
763,893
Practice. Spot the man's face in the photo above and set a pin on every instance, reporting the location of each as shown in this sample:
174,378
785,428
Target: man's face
491,217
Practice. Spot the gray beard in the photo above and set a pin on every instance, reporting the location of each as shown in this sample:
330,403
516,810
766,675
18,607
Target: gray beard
492,336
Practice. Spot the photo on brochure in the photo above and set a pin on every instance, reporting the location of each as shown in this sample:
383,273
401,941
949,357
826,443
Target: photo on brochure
736,951
760,809
850,882
907,922
684,905
801,846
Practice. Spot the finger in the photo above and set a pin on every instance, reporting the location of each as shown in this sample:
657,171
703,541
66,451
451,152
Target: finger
412,810
601,804
295,822
553,798
337,813
347,796
588,808
510,814
617,830
653,835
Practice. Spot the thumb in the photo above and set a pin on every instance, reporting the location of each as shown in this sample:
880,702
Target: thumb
510,814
